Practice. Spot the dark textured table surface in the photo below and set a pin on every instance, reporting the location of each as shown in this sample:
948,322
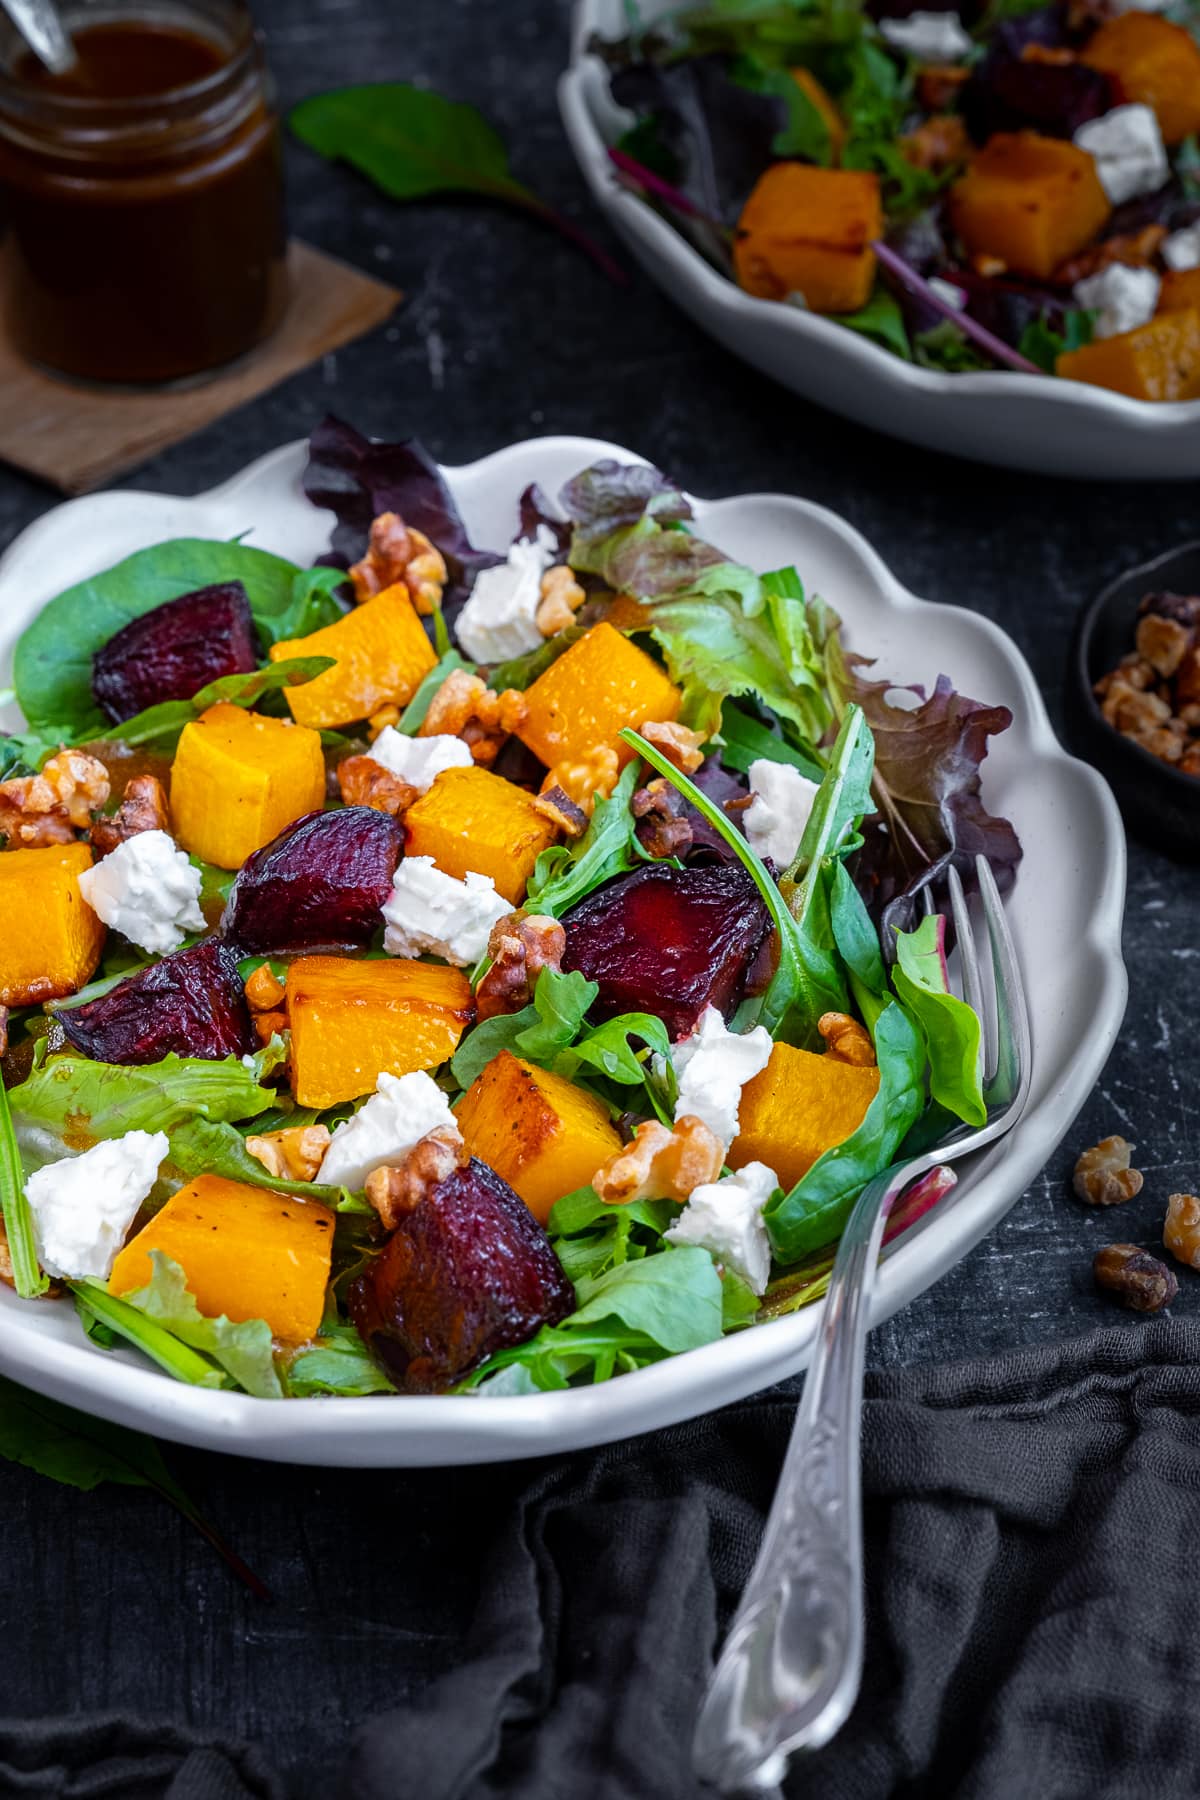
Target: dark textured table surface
507,333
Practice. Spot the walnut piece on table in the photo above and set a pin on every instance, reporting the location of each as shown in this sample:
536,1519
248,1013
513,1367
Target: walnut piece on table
1181,1229
1140,1281
1103,1176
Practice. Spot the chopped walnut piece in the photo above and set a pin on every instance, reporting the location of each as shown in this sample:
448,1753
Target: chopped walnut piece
937,87
264,991
662,829
364,782
1189,762
143,808
400,1188
292,1155
939,143
36,810
561,810
466,707
661,1164
1187,678
395,552
1163,643
984,263
678,743
1165,743
520,945
847,1040
581,781
1181,1229
1136,249
1139,1280
1103,1176
561,599
379,721
1132,711
269,1025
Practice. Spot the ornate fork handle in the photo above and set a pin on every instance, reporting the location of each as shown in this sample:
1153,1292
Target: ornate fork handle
792,1662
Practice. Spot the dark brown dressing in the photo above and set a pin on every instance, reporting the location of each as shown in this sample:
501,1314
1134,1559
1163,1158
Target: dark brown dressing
128,59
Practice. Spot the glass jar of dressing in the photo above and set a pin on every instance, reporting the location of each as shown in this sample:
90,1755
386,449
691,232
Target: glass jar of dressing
143,193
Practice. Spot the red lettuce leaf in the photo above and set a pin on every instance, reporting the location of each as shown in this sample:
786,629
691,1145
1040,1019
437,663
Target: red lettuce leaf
358,479
927,786
536,513
611,496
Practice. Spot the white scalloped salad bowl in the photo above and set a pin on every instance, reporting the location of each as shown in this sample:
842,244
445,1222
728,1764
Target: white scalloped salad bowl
1034,422
1065,910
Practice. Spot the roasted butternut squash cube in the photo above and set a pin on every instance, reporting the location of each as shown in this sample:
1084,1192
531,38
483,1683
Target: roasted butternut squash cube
470,820
350,1021
381,653
1147,58
246,1252
238,778
1032,201
50,939
1158,361
809,231
800,1106
538,1131
831,118
594,690
1180,290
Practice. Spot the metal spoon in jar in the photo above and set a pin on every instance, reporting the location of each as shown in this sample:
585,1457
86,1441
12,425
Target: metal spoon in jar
41,27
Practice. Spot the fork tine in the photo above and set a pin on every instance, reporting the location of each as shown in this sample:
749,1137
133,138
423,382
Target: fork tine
968,956
1013,1048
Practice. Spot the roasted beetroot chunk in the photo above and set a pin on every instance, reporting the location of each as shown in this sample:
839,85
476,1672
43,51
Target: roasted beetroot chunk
468,1272
191,1003
668,941
1009,93
174,650
319,885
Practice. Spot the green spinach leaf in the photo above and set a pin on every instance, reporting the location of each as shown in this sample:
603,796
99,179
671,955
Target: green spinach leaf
949,1026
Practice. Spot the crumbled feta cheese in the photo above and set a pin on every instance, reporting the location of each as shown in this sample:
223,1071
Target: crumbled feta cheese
1122,298
402,1110
147,890
499,620
930,37
946,290
726,1218
1128,149
83,1206
419,760
437,913
781,801
1182,249
712,1066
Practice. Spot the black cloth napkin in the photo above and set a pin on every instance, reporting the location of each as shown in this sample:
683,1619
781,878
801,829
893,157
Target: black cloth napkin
1033,1536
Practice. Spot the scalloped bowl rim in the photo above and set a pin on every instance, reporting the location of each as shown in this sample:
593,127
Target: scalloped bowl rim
681,258
439,1430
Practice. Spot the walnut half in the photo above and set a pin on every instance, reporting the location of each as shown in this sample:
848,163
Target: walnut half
661,1164
293,1155
143,808
397,553
466,707
521,945
399,1188
847,1041
36,810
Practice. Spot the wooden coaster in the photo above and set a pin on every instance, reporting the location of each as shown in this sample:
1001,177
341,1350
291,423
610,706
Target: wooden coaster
78,437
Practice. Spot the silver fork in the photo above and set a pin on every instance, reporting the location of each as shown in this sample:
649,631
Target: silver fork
791,1666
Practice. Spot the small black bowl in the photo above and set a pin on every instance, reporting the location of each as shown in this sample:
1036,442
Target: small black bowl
1160,804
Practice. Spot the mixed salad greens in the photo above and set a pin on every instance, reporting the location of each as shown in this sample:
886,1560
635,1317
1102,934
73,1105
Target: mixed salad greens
970,185
525,971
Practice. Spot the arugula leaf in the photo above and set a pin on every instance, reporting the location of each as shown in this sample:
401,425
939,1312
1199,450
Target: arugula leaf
633,1314
337,1363
119,1318
79,1099
609,1050
591,1237
202,1146
945,346
162,723
717,646
411,142
82,1452
746,740
18,1219
949,1026
805,133
52,663
567,872
242,1348
881,319
538,1032
1043,345
413,716
816,1209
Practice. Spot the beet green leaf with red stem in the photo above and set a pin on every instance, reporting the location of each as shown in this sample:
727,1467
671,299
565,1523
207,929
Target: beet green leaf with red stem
412,142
